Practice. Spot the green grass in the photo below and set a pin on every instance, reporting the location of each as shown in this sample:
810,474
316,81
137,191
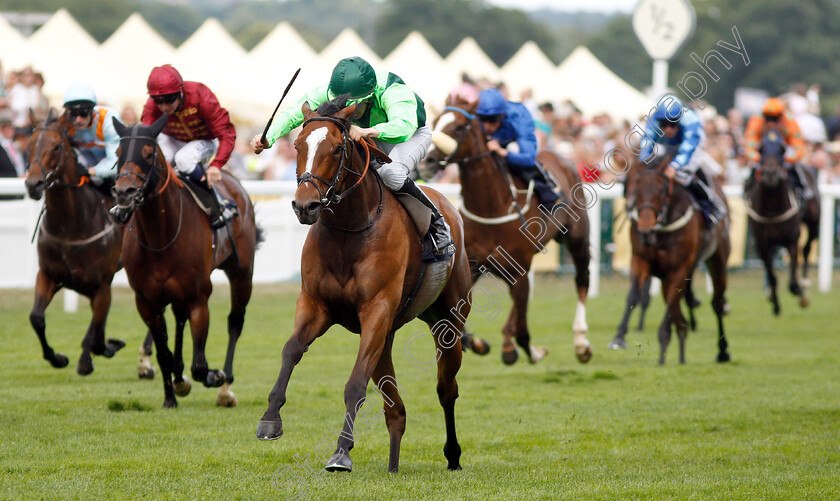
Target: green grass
764,426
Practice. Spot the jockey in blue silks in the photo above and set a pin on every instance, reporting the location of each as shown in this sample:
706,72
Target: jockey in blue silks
507,122
681,129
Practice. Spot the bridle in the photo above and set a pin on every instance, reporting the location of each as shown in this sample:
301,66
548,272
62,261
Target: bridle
52,178
453,157
661,213
330,196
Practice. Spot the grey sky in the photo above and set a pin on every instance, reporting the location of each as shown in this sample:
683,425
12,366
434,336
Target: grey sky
571,5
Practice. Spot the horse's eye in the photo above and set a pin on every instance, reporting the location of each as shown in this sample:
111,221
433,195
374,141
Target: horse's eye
56,148
148,157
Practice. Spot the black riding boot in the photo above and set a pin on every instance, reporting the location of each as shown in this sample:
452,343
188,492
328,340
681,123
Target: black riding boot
543,185
439,230
800,182
708,200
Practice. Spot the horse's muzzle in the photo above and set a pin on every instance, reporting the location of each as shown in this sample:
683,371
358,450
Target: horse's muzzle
307,214
35,188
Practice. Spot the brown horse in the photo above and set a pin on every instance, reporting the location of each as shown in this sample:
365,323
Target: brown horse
669,241
504,230
78,243
170,250
361,268
776,217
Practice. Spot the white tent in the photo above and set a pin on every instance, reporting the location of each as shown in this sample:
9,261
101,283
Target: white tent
15,52
529,68
138,45
211,56
468,58
274,61
593,88
421,68
346,44
71,54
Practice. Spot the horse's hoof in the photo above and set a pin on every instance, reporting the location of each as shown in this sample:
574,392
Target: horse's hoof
146,372
84,367
227,400
453,467
214,379
269,430
182,388
776,310
112,346
59,361
617,343
478,345
723,357
170,403
339,462
585,355
510,357
537,353
804,300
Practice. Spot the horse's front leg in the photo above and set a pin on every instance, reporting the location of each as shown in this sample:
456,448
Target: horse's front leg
579,248
199,326
766,253
311,321
182,384
639,281
45,289
94,341
376,318
145,370
672,290
157,326
793,252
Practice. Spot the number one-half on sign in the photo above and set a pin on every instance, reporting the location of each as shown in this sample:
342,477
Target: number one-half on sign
663,26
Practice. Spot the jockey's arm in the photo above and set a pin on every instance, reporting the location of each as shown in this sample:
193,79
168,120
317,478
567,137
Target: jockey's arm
526,139
793,137
752,138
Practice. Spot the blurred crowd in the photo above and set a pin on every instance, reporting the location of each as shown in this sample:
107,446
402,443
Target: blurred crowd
560,126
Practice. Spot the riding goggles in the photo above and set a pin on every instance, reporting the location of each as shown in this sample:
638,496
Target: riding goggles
664,123
490,119
166,98
80,112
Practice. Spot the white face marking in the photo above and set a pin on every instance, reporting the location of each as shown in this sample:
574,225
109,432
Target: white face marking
445,119
313,140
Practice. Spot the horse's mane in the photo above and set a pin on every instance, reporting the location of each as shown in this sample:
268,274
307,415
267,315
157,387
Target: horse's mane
333,106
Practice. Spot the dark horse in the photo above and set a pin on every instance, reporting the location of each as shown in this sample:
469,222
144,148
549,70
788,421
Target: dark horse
638,298
776,217
170,250
361,268
78,243
501,218
669,241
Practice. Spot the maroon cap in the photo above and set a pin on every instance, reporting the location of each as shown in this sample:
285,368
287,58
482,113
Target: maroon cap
164,80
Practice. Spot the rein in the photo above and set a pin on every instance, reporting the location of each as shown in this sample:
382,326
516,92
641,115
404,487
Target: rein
662,214
781,218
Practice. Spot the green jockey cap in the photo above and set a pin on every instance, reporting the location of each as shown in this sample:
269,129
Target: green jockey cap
353,76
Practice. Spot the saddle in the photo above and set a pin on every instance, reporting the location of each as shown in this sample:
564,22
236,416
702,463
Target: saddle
218,209
422,217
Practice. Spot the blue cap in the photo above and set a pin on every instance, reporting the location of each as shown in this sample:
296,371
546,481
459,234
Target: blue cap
669,108
491,102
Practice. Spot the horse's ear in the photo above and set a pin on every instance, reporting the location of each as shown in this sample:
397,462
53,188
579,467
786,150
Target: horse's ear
156,127
32,118
471,106
120,128
307,111
347,112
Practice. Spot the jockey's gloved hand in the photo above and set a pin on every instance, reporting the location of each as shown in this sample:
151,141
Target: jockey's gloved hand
753,165
683,176
96,180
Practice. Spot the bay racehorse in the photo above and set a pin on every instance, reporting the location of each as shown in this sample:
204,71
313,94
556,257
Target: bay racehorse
78,242
669,240
361,268
504,227
170,249
776,216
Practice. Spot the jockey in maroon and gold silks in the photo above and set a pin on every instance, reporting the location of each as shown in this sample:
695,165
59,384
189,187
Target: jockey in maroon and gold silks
200,116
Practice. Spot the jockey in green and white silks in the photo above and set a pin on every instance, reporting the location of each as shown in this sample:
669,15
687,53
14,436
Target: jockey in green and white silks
388,112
